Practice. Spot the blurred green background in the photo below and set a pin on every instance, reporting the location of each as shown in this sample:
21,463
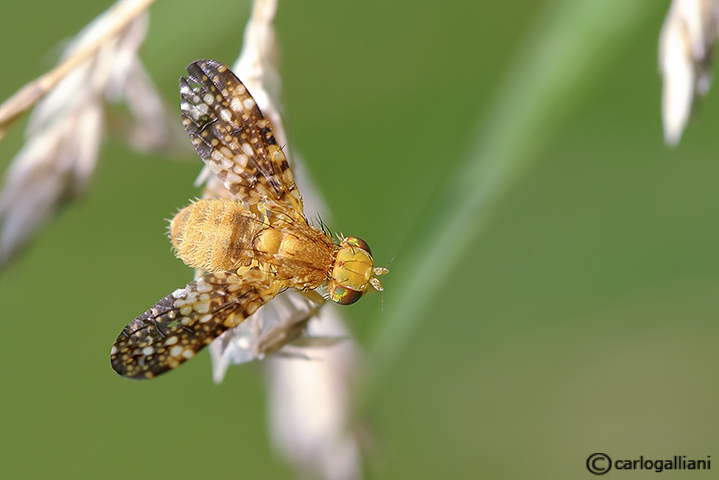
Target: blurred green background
581,317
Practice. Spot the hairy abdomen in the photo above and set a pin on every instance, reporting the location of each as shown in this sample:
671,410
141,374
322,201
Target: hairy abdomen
214,235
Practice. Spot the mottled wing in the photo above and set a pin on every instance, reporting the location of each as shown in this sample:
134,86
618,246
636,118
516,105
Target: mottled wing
186,321
234,138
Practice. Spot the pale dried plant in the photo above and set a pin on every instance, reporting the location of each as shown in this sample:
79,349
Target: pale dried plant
64,132
686,45
310,379
310,388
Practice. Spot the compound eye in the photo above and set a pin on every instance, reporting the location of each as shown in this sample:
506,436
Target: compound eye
344,296
357,242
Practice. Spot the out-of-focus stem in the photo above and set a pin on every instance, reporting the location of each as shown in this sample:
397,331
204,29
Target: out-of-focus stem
568,48
116,18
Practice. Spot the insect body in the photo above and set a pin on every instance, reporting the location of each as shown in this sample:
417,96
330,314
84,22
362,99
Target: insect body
252,247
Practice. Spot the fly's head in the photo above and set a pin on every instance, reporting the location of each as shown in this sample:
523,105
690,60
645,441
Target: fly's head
353,272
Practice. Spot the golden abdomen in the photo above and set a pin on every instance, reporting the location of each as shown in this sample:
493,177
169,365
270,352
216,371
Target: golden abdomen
215,235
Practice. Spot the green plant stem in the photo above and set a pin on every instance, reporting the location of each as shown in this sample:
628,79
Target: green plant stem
571,45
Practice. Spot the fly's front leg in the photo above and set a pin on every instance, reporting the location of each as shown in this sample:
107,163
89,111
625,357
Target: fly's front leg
290,330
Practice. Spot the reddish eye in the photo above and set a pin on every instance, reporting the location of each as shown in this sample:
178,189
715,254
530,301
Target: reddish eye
344,296
357,242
